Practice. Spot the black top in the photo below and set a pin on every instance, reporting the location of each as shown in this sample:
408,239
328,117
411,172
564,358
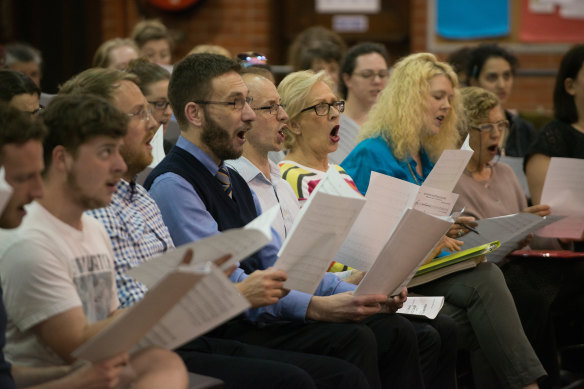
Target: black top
234,212
521,135
6,381
558,139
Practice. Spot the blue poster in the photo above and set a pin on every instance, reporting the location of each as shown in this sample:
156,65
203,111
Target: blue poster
472,19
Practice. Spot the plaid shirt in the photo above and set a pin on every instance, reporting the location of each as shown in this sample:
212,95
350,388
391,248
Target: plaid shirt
137,232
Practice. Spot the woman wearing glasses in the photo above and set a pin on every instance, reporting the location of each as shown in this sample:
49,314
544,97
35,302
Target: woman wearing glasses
313,129
414,120
363,76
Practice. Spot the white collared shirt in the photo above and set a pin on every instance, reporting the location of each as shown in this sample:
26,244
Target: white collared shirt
270,193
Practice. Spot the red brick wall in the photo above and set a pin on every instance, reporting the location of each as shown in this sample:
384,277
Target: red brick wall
237,25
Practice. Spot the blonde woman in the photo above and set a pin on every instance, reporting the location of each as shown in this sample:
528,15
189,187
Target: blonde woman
312,133
415,118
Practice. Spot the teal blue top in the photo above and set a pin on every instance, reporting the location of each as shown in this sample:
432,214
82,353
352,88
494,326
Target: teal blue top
375,154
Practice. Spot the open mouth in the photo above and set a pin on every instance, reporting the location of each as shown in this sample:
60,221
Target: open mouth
493,148
281,135
440,119
334,134
241,135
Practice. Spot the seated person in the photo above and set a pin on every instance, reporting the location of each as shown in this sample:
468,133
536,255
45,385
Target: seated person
57,268
115,53
25,59
407,130
488,188
21,156
19,91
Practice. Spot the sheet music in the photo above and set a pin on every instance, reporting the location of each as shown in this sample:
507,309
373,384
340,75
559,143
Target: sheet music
509,230
239,242
563,191
184,305
446,173
415,236
318,231
387,200
422,306
5,190
435,202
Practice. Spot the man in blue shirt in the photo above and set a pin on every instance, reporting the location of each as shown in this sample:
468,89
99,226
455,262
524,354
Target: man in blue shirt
212,107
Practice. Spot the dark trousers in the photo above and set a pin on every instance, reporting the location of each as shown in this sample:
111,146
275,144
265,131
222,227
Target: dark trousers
242,365
438,348
383,346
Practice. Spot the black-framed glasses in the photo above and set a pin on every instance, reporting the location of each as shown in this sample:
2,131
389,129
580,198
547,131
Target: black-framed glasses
502,125
323,109
238,103
367,74
160,105
143,114
273,108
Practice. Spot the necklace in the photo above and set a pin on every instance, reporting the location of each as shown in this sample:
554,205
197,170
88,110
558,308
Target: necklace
413,174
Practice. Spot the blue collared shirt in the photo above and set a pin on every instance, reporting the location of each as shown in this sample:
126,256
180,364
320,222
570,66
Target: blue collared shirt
188,220
137,232
375,154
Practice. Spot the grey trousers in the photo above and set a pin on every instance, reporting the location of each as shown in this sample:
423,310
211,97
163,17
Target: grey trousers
488,326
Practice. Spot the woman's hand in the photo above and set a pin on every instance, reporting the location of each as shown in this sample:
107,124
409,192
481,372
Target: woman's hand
457,229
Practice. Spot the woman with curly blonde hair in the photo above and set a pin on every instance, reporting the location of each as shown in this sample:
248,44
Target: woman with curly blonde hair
413,121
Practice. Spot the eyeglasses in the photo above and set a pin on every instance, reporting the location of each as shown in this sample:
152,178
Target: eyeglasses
323,109
253,58
273,108
143,114
160,105
503,125
37,111
238,103
367,74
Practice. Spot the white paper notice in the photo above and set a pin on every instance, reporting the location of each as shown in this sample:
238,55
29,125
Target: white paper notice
184,305
435,202
413,239
318,231
422,306
563,191
5,190
238,242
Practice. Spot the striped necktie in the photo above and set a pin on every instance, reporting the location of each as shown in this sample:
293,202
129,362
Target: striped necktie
223,177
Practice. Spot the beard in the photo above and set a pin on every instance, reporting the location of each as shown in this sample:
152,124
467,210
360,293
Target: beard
86,201
136,159
218,140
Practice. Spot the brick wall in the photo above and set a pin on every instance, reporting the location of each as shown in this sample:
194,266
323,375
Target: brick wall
237,25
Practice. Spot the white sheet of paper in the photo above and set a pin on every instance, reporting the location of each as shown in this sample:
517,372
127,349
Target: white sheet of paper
387,199
422,306
318,231
414,237
509,230
239,242
466,144
157,144
563,191
185,304
5,190
446,173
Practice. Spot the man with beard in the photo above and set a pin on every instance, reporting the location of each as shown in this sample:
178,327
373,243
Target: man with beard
137,232
60,260
211,104
21,157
